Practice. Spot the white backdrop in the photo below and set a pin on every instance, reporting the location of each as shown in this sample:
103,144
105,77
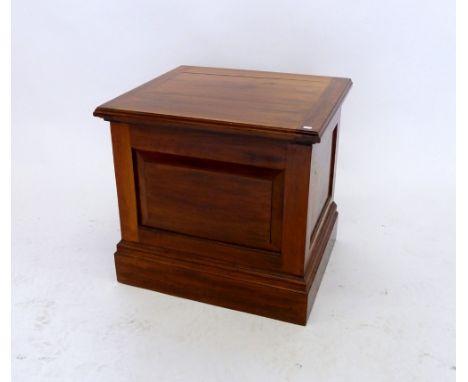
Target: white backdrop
385,310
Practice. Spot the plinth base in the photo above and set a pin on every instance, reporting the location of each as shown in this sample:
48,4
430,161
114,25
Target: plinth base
274,295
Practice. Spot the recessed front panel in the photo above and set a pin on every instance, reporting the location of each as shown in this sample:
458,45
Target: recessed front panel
209,199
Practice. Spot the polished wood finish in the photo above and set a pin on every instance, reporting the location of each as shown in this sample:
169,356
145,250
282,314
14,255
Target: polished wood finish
124,177
245,100
215,200
225,184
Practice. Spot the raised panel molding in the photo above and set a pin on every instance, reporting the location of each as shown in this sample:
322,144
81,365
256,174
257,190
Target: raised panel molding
208,199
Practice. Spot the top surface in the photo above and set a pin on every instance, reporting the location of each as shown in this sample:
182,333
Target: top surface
279,102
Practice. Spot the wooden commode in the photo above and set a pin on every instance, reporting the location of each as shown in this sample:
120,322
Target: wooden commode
225,184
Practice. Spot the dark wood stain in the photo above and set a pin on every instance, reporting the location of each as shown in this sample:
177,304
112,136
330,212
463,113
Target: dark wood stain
275,102
225,182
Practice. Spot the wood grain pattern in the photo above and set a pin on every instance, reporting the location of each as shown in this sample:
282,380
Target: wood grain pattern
210,251
271,294
124,177
208,199
276,102
225,181
320,252
199,143
296,194
210,285
321,180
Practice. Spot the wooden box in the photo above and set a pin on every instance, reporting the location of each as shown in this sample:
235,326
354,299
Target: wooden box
225,185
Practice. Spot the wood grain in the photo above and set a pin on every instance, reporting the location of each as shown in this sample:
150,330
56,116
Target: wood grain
199,143
208,199
225,182
271,294
276,102
124,177
296,194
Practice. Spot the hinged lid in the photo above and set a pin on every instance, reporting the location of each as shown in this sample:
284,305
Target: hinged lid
279,103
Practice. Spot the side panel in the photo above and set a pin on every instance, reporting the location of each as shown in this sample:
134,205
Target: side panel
321,180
